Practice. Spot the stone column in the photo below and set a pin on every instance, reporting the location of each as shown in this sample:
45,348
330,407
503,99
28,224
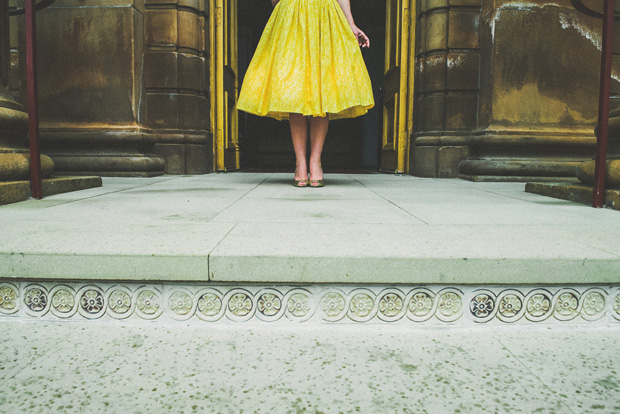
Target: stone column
14,154
538,92
447,85
91,88
176,81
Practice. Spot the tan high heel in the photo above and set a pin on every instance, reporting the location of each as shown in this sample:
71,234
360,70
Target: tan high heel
317,183
301,183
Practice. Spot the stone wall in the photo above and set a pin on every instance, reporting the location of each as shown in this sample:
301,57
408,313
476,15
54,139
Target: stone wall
529,113
122,86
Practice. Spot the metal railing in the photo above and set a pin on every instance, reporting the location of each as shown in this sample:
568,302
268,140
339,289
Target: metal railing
598,196
30,9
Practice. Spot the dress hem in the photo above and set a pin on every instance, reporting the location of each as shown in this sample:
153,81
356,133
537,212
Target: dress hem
350,112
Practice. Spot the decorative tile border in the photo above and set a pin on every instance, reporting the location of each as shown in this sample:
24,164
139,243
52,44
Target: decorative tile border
435,305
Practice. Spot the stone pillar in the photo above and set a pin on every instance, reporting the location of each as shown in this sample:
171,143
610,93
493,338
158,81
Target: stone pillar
447,85
176,68
586,170
91,88
14,154
538,92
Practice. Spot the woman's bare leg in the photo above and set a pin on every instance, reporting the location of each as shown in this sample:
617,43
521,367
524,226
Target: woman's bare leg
318,132
299,134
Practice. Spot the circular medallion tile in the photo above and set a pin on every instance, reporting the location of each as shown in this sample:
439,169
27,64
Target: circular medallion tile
362,306
391,305
538,305
239,305
269,305
209,305
420,305
616,306
449,305
119,302
148,302
9,295
91,302
593,303
180,304
333,305
483,306
566,304
36,300
510,306
300,305
63,302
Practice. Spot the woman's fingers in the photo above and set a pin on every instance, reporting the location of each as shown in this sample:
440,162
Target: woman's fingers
363,40
361,37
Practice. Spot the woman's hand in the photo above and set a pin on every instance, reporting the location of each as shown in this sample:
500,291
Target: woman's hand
361,37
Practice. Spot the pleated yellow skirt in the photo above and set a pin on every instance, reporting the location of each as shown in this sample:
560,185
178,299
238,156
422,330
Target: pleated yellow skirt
307,61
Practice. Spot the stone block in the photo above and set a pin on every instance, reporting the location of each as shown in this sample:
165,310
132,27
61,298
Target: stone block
432,112
424,162
435,4
436,31
161,27
191,72
163,110
192,110
463,26
449,159
461,112
198,159
174,157
90,77
433,72
190,29
463,70
160,69
422,23
198,5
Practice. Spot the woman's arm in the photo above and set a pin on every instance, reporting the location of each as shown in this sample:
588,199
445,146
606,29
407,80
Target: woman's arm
361,37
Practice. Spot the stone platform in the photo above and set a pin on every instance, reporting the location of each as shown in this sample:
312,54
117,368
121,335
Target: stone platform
376,294
574,191
366,248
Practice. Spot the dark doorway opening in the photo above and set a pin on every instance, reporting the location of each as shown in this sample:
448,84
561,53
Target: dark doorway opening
352,145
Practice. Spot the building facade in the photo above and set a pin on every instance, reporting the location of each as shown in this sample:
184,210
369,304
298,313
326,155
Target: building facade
481,89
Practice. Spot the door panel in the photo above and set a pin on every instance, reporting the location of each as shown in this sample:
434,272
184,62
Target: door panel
224,84
398,98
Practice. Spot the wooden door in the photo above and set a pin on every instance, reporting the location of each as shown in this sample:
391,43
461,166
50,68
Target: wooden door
224,84
398,98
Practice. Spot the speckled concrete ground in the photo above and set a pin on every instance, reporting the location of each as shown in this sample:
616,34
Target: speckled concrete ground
113,368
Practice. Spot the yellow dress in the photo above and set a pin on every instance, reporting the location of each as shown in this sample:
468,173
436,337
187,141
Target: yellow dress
307,61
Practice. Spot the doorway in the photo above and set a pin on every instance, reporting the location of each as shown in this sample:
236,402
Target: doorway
378,140
352,145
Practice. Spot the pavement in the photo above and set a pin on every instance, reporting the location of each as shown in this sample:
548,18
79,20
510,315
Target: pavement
155,238
124,368
254,227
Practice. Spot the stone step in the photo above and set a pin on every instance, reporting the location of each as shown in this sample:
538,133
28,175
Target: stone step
255,239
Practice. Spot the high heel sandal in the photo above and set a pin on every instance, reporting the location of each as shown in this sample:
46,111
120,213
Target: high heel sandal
301,183
317,183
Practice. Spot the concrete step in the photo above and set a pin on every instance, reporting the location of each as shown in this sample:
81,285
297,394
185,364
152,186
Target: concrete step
255,239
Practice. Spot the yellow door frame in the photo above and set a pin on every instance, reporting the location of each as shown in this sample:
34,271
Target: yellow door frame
399,83
224,84
223,59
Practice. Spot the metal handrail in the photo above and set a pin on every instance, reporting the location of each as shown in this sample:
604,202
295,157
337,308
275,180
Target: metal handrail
40,5
600,173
